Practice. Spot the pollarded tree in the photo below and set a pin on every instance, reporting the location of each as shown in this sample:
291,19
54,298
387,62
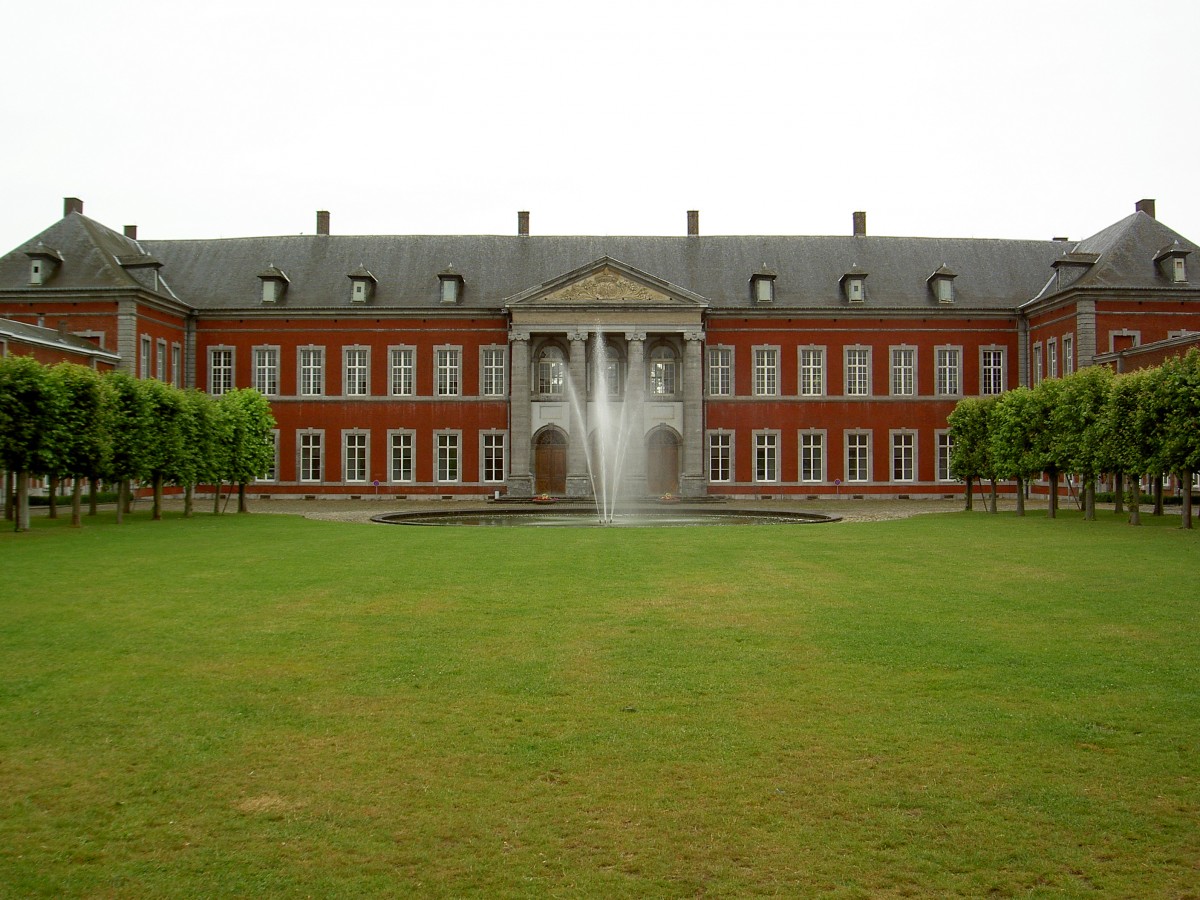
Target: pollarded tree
28,407
1129,447
79,437
128,427
1017,418
1078,422
1180,388
1049,448
971,454
251,439
164,450
204,446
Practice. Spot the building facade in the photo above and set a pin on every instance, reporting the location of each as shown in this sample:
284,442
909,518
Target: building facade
721,365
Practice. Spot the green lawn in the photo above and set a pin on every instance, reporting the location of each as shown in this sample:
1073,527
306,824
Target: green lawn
951,705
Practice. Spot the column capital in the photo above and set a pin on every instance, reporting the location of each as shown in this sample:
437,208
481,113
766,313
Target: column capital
693,336
516,334
578,336
635,335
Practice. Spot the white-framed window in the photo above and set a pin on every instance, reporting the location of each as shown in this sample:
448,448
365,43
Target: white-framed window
491,456
311,447
1037,364
766,371
812,456
551,371
402,369
144,361
355,463
1068,350
858,371
447,456
1179,270
858,456
904,456
612,364
448,369
272,474
720,372
160,360
266,370
945,449
991,371
904,371
948,369
220,370
812,371
356,371
662,371
492,380
1051,358
400,456
766,456
720,456
312,371
177,365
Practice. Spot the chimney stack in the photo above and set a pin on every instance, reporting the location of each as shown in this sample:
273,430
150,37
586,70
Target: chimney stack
523,223
131,232
1146,206
72,205
693,223
860,224
322,221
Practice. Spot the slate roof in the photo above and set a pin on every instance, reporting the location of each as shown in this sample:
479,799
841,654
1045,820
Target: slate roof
49,337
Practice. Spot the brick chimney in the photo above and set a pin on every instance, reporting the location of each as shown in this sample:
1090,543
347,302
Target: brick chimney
1146,206
322,221
860,224
523,223
72,205
693,223
131,232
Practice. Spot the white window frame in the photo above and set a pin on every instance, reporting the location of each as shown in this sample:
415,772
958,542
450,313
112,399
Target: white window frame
402,439
356,371
812,444
857,374
308,440
903,445
720,442
992,373
944,450
447,469
402,370
1051,357
221,375
860,472
160,360
720,371
947,370
1038,372
265,370
489,441
662,371
447,371
766,457
810,363
356,456
493,370
550,371
310,380
766,372
272,474
177,365
144,360
903,370
1068,354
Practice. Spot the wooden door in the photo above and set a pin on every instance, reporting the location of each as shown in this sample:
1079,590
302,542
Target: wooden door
662,463
550,464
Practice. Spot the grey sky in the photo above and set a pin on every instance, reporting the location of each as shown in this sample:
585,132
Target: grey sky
1021,119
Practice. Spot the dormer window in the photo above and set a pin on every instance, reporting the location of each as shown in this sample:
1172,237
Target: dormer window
362,285
43,261
450,285
1172,262
762,286
854,285
1180,269
941,283
274,284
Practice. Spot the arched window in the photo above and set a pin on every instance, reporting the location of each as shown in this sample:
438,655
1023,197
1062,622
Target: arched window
611,366
662,371
551,371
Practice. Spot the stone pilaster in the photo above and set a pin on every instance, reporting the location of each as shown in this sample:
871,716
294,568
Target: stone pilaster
635,403
692,481
520,463
127,336
1085,332
578,483
1023,352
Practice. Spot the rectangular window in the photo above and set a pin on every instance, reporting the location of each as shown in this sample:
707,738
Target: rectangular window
812,456
176,365
766,457
858,456
403,371
492,367
720,457
766,371
1052,358
160,360
273,472
904,372
662,372
991,378
447,456
858,371
1037,364
220,370
354,456
310,456
1068,354
144,363
948,370
356,382
945,448
493,457
447,365
720,372
312,371
401,453
812,371
903,456
266,370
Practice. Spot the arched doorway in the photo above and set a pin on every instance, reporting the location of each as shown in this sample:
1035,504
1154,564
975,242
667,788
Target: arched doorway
550,462
662,462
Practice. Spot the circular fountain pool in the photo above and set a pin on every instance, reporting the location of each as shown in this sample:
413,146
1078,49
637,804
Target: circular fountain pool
586,517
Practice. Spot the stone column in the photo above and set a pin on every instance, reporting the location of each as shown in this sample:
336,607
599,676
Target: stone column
692,481
1085,333
578,483
634,470
1022,352
520,417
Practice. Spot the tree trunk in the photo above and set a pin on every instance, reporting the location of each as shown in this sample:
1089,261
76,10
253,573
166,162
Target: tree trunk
970,498
1052,506
992,506
1185,479
217,499
10,495
93,495
158,483
189,496
53,514
242,508
77,503
1020,495
128,495
1135,501
122,489
1158,495
1089,500
21,513
1118,491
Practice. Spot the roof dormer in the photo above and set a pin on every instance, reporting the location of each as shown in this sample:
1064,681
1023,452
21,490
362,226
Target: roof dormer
274,284
854,284
450,285
43,263
1172,263
1072,266
143,267
762,286
362,285
941,282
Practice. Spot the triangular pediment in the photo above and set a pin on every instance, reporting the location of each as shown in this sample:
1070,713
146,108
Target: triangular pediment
609,284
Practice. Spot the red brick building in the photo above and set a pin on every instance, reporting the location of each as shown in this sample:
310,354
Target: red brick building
738,365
